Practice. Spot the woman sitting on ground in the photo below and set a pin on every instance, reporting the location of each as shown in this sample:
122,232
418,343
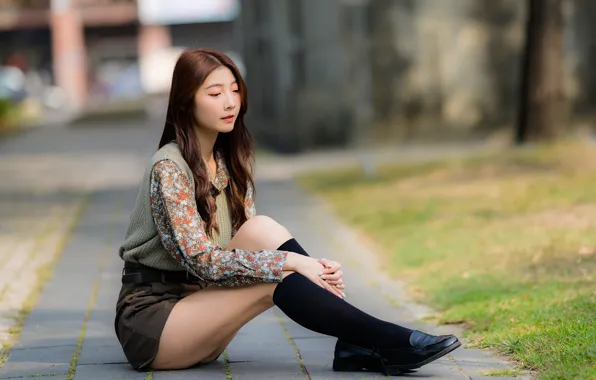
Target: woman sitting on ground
199,262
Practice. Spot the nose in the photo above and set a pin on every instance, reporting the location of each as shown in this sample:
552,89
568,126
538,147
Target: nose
230,104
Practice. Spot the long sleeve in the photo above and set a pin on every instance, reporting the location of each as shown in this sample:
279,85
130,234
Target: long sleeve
183,234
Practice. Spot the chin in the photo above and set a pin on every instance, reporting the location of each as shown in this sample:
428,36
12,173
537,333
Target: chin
226,129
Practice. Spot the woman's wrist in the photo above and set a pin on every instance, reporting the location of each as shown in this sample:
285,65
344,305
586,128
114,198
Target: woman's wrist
292,261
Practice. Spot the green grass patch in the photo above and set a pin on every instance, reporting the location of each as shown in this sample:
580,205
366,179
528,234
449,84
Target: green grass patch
505,243
501,373
227,365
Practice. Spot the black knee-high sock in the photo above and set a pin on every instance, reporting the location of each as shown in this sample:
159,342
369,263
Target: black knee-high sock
319,310
293,246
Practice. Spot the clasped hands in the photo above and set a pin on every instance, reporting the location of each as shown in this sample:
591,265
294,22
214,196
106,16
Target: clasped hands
325,273
332,274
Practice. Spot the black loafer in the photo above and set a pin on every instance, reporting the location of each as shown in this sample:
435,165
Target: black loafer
424,348
352,358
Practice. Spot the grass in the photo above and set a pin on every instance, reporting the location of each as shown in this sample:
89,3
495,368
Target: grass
504,243
501,373
227,364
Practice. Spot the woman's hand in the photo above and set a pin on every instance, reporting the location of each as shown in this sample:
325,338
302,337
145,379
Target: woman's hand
313,270
332,273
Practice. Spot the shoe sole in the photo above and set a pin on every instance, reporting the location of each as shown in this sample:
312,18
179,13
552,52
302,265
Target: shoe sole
396,369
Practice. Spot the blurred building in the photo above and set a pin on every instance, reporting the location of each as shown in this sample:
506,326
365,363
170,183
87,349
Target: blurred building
301,61
320,72
338,72
97,51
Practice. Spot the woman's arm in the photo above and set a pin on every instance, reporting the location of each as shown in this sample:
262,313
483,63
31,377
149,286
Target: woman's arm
182,233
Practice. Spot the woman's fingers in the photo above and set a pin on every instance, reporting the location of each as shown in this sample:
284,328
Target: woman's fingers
333,289
335,279
339,286
336,283
332,277
330,266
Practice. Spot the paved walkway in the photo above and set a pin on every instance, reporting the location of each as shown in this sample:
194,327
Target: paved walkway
65,198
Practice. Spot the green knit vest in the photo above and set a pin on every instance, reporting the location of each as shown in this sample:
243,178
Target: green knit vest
142,243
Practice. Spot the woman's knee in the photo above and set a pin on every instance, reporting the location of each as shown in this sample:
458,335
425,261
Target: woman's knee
263,225
262,221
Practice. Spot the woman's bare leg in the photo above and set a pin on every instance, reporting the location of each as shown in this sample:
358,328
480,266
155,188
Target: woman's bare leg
201,325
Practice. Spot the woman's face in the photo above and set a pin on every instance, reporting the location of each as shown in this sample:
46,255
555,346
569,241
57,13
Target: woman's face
217,102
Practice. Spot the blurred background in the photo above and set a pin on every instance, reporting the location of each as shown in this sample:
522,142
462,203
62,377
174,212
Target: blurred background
321,73
457,138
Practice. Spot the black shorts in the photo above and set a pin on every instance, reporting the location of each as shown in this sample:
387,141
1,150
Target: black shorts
141,314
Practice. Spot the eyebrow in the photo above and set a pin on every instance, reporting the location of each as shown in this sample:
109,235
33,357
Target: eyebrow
219,85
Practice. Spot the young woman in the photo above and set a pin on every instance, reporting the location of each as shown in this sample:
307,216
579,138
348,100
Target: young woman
199,262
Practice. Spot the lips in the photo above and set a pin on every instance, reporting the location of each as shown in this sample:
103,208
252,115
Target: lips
228,118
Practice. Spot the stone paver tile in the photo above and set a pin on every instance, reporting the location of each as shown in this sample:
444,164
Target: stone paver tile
292,328
101,344
102,351
34,368
270,370
61,308
316,351
108,372
20,273
478,369
58,317
317,354
261,350
211,371
439,370
475,355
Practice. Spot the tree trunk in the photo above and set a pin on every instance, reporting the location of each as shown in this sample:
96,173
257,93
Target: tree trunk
541,104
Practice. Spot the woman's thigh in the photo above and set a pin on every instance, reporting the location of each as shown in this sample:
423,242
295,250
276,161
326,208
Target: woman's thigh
202,324
247,239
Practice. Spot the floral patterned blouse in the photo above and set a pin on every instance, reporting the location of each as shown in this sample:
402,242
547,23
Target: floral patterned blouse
182,232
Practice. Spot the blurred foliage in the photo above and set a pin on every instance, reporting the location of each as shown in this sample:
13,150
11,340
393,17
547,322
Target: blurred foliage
10,114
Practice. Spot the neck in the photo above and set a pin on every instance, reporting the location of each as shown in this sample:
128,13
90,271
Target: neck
206,143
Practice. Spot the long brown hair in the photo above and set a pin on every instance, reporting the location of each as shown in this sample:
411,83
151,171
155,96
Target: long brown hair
191,70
